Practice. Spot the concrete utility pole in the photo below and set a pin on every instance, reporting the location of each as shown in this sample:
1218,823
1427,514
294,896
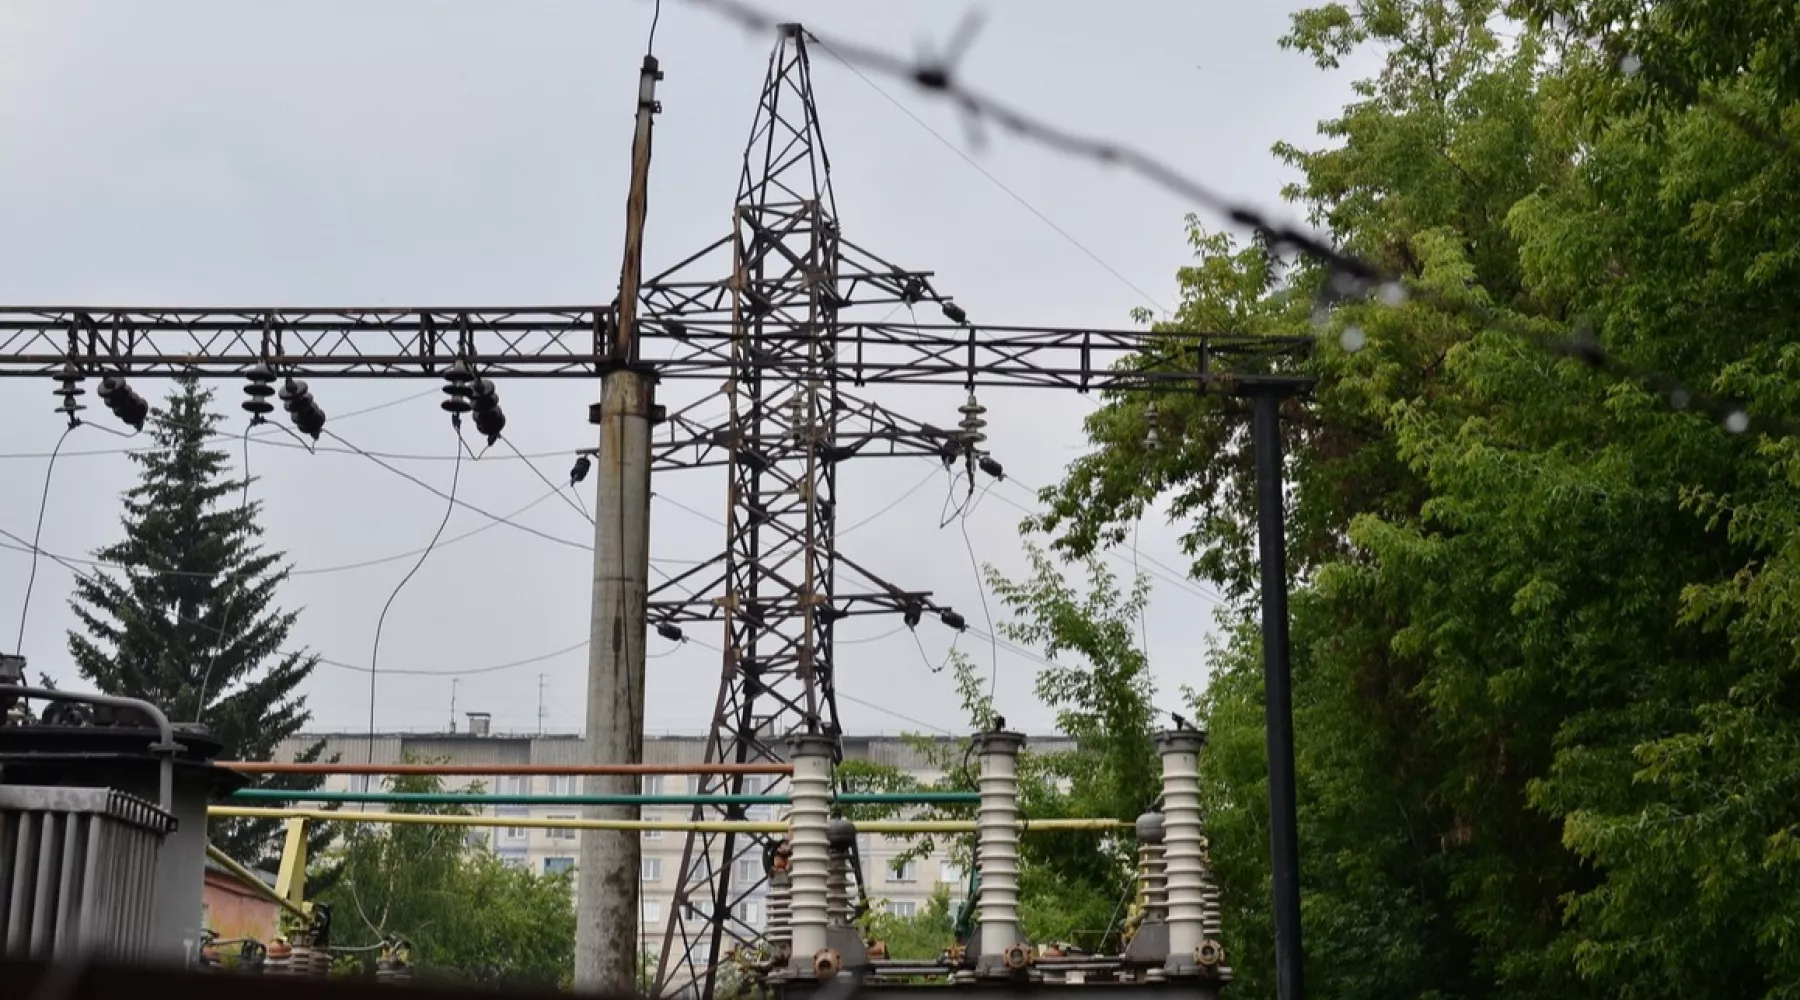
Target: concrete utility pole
608,875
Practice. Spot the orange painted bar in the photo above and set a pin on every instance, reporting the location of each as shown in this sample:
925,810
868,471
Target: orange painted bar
273,767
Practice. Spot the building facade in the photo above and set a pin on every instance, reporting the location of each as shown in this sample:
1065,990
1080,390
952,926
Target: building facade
897,884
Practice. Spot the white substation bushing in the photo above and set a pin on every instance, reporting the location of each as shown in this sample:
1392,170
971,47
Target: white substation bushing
809,805
997,845
1184,863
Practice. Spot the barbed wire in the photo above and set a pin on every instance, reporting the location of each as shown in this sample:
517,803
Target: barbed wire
1348,277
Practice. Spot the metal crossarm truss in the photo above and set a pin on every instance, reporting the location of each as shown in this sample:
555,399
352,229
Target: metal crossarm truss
574,342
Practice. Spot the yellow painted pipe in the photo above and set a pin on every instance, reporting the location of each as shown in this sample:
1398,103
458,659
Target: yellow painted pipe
255,884
890,827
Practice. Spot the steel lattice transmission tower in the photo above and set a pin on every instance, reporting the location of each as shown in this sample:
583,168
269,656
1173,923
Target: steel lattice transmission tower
792,276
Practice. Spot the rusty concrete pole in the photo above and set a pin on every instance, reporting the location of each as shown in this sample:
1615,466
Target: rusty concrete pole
608,873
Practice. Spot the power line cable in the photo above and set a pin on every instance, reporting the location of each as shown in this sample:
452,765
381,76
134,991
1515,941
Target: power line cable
451,498
540,474
1349,276
450,508
897,501
37,534
997,182
338,664
225,619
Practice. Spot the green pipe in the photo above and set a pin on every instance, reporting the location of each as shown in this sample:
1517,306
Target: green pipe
472,799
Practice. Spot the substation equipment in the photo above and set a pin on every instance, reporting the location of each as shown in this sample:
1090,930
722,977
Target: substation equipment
770,312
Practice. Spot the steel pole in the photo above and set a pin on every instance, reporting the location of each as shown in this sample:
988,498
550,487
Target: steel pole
1284,841
609,872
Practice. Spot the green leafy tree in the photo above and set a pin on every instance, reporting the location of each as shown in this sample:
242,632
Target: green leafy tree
468,914
190,622
921,937
1543,642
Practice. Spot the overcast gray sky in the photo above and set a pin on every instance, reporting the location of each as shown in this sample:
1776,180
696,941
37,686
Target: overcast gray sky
475,152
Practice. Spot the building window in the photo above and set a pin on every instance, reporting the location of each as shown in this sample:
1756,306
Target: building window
517,833
652,834
562,784
514,784
950,873
562,834
749,871
359,783
903,871
513,857
693,784
653,869
901,908
556,866
652,911
651,784
748,912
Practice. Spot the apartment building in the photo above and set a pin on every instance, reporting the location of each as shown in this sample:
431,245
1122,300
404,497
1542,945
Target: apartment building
902,887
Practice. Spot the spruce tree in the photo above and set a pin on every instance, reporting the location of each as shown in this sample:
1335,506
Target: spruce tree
188,619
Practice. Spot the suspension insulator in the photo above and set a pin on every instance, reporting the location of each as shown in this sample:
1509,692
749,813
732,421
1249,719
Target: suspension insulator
1151,438
458,387
302,408
261,387
992,467
583,465
952,619
953,312
912,614
68,390
124,402
669,631
489,418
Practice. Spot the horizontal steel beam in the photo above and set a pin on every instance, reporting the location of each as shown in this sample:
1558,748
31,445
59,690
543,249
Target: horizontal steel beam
575,342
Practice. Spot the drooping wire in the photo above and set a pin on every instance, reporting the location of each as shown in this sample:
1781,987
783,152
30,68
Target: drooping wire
1143,612
375,652
997,182
981,589
547,481
1350,277
225,619
37,535
451,498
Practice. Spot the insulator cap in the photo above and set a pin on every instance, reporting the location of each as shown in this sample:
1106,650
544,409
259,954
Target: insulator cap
124,402
308,417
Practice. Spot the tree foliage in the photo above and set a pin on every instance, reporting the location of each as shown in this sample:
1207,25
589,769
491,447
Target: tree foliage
467,914
191,623
1543,622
